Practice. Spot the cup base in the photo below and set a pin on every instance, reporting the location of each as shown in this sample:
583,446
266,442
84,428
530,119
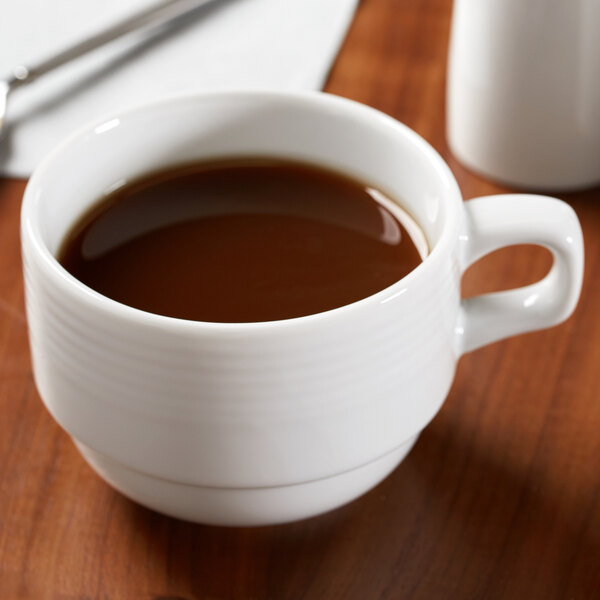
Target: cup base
243,507
549,182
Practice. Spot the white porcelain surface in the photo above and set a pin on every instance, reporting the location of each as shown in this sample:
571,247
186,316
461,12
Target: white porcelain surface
274,405
244,506
524,91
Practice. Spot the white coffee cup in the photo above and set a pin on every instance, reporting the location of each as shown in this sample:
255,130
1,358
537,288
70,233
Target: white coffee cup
523,97
256,423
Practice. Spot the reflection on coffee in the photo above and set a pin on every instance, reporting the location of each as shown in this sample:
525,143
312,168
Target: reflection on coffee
241,241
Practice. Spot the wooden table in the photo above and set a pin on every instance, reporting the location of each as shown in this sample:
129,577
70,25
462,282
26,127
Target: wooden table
499,499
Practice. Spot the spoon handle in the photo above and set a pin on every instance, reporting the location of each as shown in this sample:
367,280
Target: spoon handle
161,13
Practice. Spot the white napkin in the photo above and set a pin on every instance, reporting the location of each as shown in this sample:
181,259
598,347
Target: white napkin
283,44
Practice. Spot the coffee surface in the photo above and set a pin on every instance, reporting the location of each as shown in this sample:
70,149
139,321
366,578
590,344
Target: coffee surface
241,241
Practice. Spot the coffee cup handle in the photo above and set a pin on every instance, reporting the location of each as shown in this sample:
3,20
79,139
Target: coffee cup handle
493,222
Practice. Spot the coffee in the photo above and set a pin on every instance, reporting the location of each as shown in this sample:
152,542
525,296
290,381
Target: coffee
242,241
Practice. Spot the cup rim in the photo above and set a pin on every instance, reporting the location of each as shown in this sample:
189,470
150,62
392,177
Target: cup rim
31,233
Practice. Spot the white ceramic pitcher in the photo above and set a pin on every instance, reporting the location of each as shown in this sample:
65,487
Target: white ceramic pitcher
523,95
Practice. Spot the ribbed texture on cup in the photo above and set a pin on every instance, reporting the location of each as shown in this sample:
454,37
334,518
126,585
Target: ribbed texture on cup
347,386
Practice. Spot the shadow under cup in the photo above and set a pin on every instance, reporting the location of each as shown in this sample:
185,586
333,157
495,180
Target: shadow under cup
246,423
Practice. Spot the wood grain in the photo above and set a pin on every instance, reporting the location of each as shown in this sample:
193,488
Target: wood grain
500,499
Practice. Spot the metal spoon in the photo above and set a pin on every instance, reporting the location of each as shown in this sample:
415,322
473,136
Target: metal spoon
158,14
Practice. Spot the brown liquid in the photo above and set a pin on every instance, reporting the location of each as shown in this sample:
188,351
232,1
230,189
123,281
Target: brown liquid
239,241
